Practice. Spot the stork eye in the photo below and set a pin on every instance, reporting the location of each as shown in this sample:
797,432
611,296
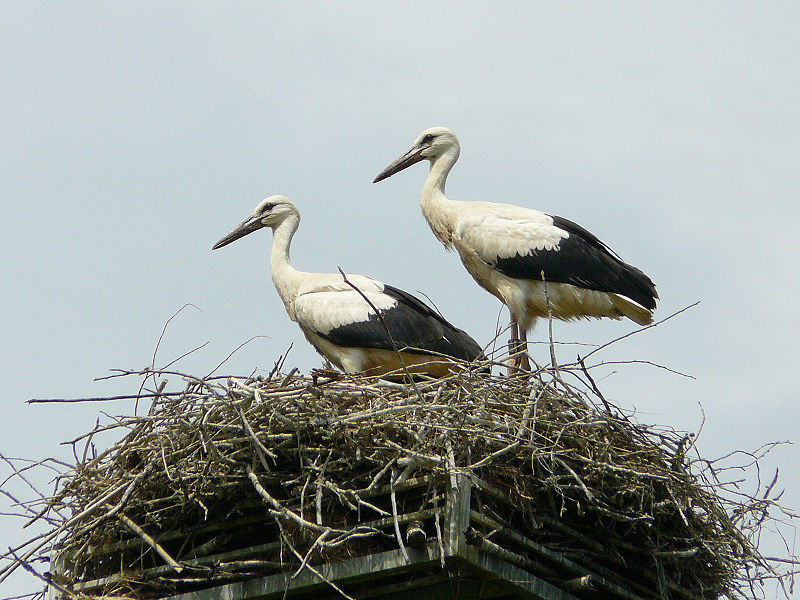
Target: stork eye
268,207
427,139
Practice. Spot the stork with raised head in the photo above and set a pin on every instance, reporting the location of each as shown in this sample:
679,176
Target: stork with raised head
341,322
535,263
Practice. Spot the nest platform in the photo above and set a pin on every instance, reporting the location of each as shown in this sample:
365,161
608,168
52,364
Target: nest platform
336,486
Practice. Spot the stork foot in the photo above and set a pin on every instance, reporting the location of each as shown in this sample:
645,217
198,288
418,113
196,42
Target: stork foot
518,360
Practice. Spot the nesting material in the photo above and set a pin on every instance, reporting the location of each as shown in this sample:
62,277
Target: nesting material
238,478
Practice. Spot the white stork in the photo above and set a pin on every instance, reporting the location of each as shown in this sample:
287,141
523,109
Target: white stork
340,323
535,263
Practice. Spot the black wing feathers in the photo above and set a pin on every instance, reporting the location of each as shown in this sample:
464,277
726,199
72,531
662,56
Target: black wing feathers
584,261
413,324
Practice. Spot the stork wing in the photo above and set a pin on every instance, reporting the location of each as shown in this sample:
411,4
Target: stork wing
346,319
419,326
326,310
523,243
334,282
498,231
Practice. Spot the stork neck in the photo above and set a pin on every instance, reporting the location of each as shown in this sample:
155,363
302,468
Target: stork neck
436,207
440,168
284,275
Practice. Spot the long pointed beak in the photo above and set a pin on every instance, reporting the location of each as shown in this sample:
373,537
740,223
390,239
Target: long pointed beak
414,155
249,225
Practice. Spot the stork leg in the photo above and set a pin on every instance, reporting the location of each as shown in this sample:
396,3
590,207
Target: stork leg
524,363
513,348
518,349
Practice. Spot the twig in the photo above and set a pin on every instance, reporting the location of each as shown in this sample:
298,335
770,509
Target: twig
234,351
553,361
640,330
176,566
397,533
320,539
309,567
103,399
282,510
439,538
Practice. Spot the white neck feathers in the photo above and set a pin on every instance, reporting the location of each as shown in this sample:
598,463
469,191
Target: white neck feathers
439,211
285,277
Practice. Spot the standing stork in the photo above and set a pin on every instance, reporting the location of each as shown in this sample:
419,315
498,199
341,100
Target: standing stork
535,263
340,321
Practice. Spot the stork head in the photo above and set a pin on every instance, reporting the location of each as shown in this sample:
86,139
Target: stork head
270,212
429,145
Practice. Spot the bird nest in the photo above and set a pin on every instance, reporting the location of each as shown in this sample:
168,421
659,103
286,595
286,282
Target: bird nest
236,478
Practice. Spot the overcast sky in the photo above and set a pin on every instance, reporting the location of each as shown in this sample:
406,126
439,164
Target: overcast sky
136,134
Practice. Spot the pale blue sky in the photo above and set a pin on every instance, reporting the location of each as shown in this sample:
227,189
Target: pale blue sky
136,134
